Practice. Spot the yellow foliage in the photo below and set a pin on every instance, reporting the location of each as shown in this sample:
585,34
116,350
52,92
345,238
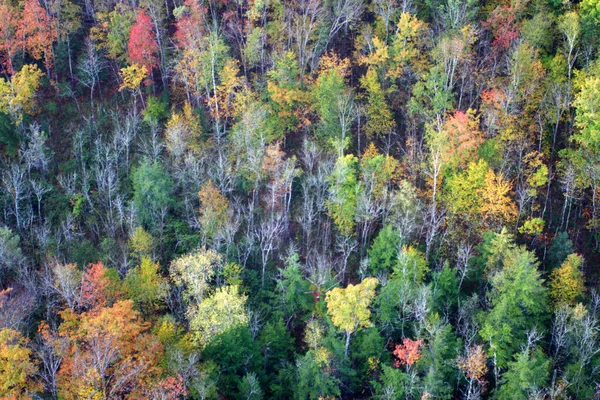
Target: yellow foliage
566,282
16,95
133,76
349,307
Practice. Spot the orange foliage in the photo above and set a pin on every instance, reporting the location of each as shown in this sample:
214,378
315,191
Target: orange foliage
108,353
474,365
409,352
94,286
38,31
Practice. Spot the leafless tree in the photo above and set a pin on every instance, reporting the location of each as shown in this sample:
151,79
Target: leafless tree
15,185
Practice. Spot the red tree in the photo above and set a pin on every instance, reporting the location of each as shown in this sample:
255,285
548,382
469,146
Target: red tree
9,40
38,31
504,26
94,286
191,25
142,48
408,352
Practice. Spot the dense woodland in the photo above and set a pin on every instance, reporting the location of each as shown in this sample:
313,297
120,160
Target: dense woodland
299,199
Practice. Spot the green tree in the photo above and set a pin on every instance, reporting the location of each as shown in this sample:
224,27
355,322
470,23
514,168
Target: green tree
146,287
293,290
11,256
526,376
343,190
152,187
315,376
383,253
334,103
518,303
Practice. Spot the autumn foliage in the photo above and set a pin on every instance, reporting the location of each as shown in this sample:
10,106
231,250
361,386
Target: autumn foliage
408,352
142,48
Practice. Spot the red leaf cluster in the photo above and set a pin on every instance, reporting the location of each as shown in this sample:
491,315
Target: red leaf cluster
409,352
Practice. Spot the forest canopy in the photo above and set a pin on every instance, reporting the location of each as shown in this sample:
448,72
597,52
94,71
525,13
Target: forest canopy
299,199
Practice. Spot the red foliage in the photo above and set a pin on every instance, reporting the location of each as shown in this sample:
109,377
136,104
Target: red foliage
9,43
408,352
38,32
171,388
93,288
190,27
142,48
503,24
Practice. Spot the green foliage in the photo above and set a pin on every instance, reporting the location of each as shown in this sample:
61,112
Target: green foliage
344,188
156,110
392,383
151,193
518,303
10,249
293,290
315,379
235,353
525,376
560,247
146,287
383,253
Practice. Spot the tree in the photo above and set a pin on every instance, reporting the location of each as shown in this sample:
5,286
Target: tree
383,253
287,96
142,48
151,197
408,353
480,197
11,256
293,290
214,212
195,272
146,287
218,314
526,376
474,367
349,307
113,30
109,353
566,282
334,103
343,194
66,282
133,76
39,32
94,286
141,243
17,95
518,303
17,368
182,132
10,41
380,121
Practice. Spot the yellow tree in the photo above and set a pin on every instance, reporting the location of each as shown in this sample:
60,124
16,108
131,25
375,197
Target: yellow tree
16,366
349,307
566,282
213,211
217,314
16,95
